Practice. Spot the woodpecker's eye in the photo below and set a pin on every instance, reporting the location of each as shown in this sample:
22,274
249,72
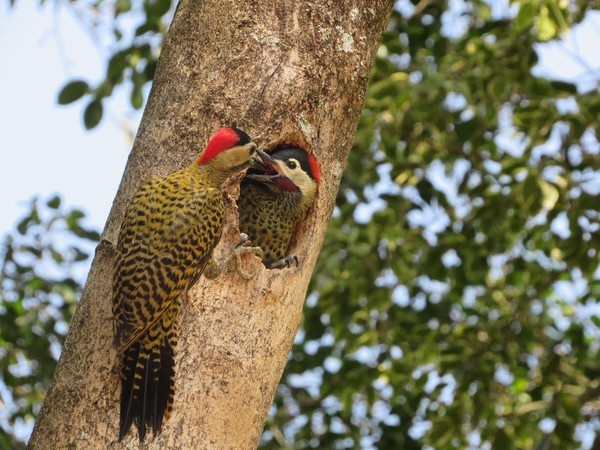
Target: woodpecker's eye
292,164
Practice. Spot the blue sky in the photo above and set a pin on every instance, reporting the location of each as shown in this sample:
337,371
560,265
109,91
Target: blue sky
45,148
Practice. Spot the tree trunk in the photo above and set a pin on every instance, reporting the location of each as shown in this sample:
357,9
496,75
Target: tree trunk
285,72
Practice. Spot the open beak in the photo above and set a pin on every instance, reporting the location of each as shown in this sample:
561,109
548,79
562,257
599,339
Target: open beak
263,167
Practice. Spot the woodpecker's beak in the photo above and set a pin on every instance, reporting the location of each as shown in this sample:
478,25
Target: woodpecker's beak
263,167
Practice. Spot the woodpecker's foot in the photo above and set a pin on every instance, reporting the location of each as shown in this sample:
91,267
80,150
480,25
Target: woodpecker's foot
238,252
285,262
243,240
214,269
244,247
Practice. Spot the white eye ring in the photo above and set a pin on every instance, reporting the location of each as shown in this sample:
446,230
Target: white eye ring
292,164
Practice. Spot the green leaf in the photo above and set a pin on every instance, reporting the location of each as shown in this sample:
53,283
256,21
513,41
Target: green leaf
118,34
54,202
150,69
122,6
76,214
157,8
546,27
80,256
150,26
92,114
117,65
23,224
564,86
72,92
465,130
525,16
137,98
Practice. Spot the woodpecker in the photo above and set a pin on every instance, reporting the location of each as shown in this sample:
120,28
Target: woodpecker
166,240
274,199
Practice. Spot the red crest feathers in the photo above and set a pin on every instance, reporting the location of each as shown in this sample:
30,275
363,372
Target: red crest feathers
223,139
314,167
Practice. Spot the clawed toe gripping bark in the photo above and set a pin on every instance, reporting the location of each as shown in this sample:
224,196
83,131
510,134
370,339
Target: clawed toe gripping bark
214,269
285,262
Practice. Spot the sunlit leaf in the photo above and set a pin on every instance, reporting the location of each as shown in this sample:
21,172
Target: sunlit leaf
72,92
92,114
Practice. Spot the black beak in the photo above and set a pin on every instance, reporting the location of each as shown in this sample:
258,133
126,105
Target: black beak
263,167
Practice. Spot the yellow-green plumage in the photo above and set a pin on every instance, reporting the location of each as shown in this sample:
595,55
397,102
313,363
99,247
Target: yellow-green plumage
167,237
269,218
275,199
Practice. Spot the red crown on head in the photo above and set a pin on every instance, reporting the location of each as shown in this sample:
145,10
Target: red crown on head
223,139
314,167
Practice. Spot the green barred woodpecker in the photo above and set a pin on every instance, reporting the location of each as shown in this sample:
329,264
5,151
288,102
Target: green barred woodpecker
274,198
166,240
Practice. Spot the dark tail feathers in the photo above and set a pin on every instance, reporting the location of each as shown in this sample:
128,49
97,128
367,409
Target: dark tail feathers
147,387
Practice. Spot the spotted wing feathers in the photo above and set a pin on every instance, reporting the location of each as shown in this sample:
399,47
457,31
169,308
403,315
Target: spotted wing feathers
165,241
167,237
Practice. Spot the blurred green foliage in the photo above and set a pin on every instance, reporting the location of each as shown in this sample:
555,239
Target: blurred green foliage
455,301
42,269
132,56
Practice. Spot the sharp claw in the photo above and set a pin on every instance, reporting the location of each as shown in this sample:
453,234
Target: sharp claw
285,262
238,258
245,275
243,240
238,264
214,269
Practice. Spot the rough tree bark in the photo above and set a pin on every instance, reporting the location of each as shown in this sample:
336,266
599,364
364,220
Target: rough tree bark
285,72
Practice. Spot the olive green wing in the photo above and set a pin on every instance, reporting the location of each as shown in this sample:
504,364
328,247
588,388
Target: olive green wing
164,242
